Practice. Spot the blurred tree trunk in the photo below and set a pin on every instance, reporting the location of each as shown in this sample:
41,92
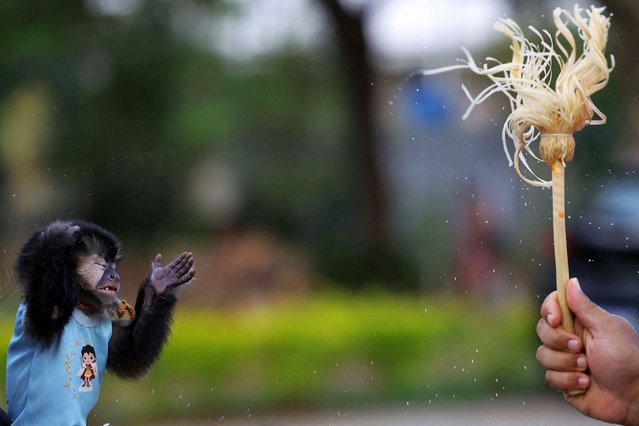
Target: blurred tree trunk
360,75
624,21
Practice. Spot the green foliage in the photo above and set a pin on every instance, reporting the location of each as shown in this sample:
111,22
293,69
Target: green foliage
330,350
136,105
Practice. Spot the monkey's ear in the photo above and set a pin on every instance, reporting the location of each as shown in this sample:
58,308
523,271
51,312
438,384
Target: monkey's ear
46,268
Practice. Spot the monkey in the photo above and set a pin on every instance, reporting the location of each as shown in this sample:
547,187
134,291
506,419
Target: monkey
66,332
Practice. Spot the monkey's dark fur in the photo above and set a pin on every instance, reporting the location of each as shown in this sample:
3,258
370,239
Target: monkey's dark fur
47,271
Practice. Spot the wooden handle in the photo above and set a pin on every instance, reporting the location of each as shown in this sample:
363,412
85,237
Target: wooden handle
559,238
561,250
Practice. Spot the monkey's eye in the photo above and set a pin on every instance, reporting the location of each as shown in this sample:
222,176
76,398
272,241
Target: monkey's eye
102,265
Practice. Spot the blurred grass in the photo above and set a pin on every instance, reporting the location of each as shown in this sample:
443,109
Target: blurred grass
331,349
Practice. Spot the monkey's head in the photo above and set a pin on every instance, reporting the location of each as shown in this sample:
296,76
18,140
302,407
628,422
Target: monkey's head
98,254
64,266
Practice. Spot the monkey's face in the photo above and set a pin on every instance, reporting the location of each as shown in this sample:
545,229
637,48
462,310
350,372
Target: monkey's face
100,278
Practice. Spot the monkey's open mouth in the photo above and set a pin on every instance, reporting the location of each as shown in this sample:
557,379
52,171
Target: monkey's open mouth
111,289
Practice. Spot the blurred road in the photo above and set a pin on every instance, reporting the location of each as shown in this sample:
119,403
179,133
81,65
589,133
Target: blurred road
537,412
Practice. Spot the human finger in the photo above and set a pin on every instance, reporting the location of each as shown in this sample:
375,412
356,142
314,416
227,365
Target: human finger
561,361
551,311
567,381
588,313
558,339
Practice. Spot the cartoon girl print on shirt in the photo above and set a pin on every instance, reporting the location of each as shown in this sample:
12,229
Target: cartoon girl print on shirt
88,368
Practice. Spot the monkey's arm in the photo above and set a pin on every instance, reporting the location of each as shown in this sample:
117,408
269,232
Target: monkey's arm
46,266
136,345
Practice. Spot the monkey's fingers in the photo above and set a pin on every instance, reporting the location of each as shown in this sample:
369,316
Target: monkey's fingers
185,278
157,262
182,264
184,257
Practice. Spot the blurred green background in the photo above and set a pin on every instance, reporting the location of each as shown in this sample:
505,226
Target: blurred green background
356,242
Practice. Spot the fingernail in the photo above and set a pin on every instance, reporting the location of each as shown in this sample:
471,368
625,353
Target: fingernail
575,282
583,381
550,318
582,362
573,344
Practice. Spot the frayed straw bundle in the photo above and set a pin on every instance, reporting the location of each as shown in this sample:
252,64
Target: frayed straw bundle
547,108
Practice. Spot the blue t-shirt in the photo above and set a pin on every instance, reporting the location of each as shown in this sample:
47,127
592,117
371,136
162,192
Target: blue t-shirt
58,385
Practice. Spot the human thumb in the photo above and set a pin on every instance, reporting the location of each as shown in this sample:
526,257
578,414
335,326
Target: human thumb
584,309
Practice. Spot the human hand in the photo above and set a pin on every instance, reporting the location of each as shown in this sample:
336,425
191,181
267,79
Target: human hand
175,274
601,358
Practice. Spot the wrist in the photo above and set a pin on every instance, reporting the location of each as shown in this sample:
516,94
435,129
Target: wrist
632,412
632,417
632,379
154,295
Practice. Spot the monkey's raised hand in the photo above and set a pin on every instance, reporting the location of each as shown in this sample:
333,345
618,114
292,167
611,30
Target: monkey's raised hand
175,274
